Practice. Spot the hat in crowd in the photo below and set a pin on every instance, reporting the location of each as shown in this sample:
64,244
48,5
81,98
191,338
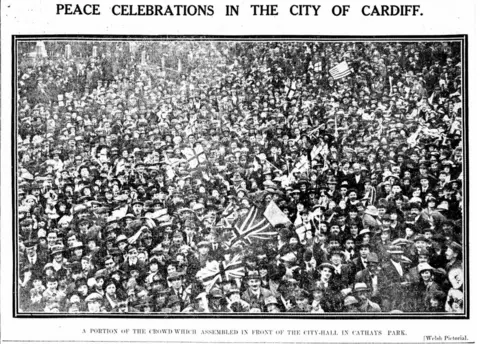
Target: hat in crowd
394,249
94,297
350,300
371,210
326,265
420,237
233,291
173,300
302,294
372,257
48,266
423,252
121,238
456,247
76,244
175,275
360,287
252,275
30,243
337,252
364,231
271,300
290,257
424,266
100,274
215,293
57,249
203,244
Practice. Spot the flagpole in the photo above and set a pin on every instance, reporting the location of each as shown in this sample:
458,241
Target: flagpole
336,129
272,165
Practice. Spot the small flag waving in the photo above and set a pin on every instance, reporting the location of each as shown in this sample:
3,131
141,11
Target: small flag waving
303,165
195,156
229,215
315,151
412,139
275,216
301,230
290,88
160,215
252,226
118,214
320,149
341,70
219,272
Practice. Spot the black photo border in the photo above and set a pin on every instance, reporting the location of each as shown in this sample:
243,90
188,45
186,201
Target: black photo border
462,38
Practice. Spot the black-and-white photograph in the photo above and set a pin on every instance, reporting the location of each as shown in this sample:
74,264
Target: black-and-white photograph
241,175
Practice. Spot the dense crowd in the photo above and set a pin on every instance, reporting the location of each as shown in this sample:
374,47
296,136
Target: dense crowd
240,177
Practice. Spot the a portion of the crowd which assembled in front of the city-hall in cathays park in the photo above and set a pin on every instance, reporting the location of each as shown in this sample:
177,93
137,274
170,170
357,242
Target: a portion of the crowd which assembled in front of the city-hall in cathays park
198,176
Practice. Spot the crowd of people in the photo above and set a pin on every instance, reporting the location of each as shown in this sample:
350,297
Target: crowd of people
190,176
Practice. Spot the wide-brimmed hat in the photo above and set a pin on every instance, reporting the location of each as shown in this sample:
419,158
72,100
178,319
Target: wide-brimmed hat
252,275
395,250
350,300
360,287
424,266
94,297
215,293
326,265
271,300
338,252
57,249
455,247
175,275
371,210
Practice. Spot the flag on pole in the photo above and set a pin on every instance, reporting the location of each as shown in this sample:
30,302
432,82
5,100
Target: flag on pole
252,226
301,230
229,215
68,51
341,70
120,167
195,156
303,165
41,50
275,216
256,165
316,150
336,128
290,88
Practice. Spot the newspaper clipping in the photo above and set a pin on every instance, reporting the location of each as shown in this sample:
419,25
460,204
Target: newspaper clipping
238,172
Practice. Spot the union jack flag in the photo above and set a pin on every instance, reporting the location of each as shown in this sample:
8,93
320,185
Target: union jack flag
226,270
252,226
195,156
